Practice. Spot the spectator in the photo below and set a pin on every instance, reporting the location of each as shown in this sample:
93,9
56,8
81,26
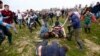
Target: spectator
19,17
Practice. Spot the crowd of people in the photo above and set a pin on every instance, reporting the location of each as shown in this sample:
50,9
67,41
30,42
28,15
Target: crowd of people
30,18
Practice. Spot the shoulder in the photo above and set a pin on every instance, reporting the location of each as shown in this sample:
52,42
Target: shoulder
2,10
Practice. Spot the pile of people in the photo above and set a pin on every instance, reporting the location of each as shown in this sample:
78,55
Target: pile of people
31,18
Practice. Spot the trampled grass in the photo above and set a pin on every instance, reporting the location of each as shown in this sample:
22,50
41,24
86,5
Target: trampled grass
24,43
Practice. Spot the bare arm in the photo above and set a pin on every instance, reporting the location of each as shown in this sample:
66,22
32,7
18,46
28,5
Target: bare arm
39,50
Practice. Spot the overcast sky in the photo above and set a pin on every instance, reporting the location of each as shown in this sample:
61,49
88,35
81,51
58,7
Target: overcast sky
42,4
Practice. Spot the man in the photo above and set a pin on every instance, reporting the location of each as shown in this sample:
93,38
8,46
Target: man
51,16
62,12
19,17
87,21
44,32
9,20
58,13
36,17
96,10
54,49
4,28
75,23
58,30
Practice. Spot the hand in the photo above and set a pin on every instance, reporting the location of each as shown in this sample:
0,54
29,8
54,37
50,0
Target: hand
8,17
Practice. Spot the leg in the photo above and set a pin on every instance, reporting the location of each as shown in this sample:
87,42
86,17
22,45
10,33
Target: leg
69,29
2,37
77,37
30,27
70,33
19,21
38,22
89,28
35,25
8,33
14,28
85,28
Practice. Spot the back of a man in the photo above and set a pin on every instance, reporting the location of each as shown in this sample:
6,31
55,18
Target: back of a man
52,50
76,29
75,21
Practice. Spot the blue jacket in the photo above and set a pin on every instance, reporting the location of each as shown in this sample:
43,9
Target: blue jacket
62,52
52,50
75,21
44,29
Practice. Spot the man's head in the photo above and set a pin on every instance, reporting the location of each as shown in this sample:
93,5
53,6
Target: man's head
1,4
6,7
98,3
70,12
18,11
57,23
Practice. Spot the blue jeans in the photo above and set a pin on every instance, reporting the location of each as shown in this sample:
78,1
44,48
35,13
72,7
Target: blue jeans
2,37
20,22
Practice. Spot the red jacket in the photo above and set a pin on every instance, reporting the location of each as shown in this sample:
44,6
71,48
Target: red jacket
7,13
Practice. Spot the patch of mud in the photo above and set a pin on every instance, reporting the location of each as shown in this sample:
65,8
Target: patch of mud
93,48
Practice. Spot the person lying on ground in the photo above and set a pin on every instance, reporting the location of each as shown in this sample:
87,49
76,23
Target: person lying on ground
58,30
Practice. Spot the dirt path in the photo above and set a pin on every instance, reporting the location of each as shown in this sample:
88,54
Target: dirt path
93,48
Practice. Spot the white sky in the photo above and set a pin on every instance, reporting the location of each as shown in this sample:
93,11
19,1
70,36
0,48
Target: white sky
42,4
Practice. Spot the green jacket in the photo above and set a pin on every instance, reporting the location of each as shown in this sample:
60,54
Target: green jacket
87,18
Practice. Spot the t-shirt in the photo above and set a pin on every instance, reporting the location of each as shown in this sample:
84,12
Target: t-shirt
58,13
19,16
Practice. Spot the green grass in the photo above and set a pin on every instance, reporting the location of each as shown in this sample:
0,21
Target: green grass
29,50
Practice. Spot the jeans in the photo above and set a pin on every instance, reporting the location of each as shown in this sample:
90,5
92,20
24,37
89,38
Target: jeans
7,33
20,22
2,37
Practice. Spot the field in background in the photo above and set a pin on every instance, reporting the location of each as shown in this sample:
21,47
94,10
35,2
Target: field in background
24,43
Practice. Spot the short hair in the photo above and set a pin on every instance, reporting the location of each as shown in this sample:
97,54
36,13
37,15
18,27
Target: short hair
1,2
6,5
57,23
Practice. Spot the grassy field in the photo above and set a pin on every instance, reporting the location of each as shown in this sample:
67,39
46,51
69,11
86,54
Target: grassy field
24,43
